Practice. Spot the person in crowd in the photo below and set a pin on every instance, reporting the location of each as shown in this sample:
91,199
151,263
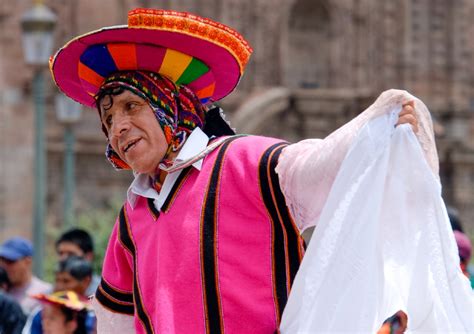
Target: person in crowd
78,242
72,274
208,239
12,318
453,215
463,242
465,250
64,312
16,257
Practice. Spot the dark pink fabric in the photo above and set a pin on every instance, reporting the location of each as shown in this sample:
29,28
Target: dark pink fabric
168,250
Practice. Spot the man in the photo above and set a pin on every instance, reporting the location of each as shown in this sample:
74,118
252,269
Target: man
78,242
209,238
16,257
75,242
73,273
12,318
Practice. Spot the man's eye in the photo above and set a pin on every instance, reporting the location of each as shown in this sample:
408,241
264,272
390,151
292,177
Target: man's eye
108,121
131,105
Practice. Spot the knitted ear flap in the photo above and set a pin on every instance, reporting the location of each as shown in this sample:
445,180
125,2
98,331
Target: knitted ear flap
114,159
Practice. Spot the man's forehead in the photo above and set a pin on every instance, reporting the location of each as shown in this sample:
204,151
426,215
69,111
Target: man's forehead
122,96
68,246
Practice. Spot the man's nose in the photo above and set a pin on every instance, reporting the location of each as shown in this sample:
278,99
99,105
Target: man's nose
120,125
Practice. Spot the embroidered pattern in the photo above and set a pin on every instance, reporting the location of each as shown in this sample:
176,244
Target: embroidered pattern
195,26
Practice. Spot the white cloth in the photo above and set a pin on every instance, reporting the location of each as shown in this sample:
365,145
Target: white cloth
308,168
383,243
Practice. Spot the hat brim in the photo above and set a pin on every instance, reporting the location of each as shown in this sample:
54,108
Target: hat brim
223,65
10,255
74,303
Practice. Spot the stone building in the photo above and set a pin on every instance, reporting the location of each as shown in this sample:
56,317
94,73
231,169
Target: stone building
316,64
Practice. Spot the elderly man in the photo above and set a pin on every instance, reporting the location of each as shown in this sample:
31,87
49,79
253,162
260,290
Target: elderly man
16,257
208,240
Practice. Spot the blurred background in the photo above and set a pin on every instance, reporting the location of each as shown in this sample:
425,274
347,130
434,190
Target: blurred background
316,65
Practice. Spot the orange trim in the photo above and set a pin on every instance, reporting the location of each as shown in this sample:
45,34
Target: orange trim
89,75
124,55
280,219
216,258
135,272
201,257
193,25
272,223
175,194
109,297
272,226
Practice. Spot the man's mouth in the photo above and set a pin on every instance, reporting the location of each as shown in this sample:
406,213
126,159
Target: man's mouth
130,145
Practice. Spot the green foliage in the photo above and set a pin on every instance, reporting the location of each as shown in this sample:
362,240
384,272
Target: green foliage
97,222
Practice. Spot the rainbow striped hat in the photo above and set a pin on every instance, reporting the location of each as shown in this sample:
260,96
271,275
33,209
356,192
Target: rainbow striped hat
206,56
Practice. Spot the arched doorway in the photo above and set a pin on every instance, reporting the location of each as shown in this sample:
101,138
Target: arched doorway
307,55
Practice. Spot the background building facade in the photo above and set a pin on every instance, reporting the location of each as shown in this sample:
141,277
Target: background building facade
316,64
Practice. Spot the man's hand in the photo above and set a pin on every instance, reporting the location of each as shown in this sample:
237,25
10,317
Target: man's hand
407,115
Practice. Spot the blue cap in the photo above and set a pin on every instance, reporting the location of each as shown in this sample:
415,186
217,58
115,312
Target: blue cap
16,248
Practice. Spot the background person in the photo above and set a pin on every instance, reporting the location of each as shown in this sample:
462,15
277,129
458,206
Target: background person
64,312
12,318
16,257
78,242
72,274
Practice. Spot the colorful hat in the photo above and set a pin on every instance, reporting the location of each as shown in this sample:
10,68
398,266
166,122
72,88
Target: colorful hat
68,299
204,55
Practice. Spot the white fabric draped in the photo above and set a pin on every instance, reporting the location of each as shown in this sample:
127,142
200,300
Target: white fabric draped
382,242
308,168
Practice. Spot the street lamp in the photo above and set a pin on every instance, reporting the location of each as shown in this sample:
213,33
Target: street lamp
37,26
68,112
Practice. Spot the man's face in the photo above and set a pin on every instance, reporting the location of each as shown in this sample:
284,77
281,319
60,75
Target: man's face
64,281
134,132
66,249
18,270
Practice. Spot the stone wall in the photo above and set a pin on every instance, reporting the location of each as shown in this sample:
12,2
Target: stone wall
342,51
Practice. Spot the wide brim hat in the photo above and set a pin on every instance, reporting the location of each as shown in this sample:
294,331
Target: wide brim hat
68,299
206,56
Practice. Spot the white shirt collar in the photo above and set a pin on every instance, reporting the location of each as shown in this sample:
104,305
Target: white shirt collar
140,186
